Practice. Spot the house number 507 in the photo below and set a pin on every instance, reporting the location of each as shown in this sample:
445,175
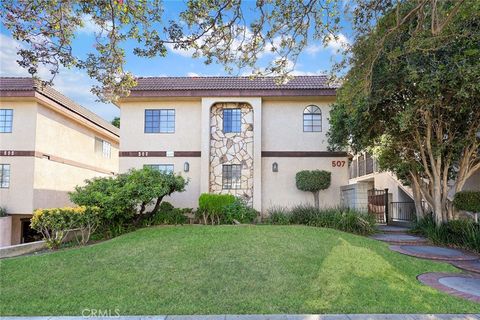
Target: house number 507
338,163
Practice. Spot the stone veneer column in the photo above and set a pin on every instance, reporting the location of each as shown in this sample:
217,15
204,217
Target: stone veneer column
255,103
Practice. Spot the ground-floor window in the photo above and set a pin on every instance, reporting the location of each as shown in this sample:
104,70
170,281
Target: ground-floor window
231,176
4,175
167,168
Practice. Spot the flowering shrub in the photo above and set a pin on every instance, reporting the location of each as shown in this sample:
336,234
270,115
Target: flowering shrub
55,223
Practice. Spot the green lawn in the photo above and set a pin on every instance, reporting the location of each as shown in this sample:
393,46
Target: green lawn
225,269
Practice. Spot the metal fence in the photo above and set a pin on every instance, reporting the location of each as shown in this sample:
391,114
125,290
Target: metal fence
403,211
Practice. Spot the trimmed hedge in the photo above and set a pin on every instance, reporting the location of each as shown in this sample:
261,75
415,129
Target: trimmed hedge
467,200
214,203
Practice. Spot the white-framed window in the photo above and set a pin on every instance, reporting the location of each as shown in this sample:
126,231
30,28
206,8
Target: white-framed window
6,120
312,119
4,175
103,147
159,121
231,176
166,168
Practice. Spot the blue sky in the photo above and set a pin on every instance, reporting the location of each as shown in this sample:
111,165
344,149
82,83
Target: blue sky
316,59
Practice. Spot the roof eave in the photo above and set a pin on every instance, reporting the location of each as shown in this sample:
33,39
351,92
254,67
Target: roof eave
233,93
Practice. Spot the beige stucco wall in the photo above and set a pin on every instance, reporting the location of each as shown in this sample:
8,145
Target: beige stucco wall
279,189
60,136
187,130
186,199
22,136
18,198
37,182
278,126
282,125
5,231
186,137
53,180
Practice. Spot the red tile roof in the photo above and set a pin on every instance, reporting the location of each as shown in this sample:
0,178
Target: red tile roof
267,86
21,87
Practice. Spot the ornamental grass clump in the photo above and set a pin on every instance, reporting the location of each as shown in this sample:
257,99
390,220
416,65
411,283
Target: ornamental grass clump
343,219
461,233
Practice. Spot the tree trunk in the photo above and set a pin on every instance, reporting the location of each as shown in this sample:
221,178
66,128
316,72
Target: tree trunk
417,199
316,197
437,207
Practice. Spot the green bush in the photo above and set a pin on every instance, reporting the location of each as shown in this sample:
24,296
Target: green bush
123,200
278,215
460,233
211,207
467,200
3,212
313,181
303,214
343,219
239,211
168,214
55,223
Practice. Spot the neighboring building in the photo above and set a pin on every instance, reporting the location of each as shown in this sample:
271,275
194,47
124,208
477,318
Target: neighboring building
48,145
233,135
368,185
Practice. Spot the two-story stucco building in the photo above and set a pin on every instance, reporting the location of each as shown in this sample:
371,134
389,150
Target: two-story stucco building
247,137
48,145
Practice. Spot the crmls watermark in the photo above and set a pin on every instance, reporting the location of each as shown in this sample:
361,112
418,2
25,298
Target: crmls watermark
92,313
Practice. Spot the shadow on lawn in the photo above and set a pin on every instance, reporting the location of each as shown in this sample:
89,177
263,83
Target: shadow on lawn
382,280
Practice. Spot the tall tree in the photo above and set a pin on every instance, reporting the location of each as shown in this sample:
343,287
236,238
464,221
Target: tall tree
416,101
234,33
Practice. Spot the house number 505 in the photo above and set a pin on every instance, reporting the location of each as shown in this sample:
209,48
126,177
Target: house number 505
338,163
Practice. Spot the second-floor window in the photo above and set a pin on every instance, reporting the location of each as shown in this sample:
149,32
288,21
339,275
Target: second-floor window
232,120
6,120
231,176
103,147
166,168
4,175
312,119
160,121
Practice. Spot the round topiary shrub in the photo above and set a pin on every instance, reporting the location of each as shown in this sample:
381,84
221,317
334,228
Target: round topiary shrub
313,181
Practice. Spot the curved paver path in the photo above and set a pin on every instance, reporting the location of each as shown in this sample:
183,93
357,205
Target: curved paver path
465,286
399,238
434,253
392,229
472,266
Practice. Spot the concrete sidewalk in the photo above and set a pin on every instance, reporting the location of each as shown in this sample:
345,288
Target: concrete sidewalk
272,317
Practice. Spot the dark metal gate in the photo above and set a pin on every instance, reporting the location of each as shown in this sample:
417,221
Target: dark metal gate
378,204
403,211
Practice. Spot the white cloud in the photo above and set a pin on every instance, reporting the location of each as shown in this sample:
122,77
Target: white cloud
90,27
335,45
73,83
192,74
182,52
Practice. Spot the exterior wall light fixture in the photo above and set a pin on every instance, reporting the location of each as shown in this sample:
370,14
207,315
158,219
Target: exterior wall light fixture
186,167
275,167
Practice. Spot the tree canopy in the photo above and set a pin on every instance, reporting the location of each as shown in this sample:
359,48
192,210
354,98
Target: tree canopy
416,106
231,32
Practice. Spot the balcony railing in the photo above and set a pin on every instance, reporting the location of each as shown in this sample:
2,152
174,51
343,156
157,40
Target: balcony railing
363,165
